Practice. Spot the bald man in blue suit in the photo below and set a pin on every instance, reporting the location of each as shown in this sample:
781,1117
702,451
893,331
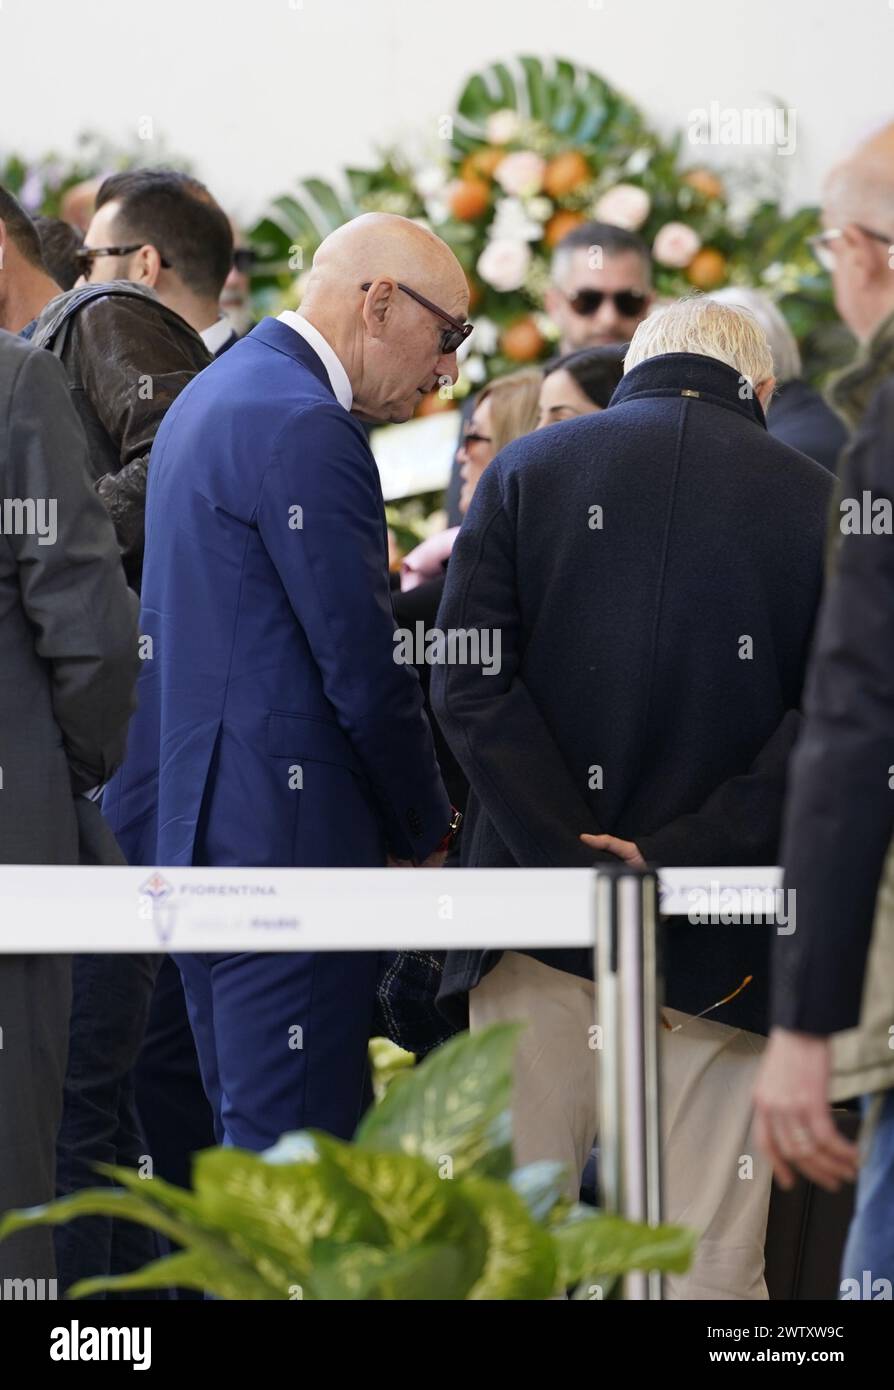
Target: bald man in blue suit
274,726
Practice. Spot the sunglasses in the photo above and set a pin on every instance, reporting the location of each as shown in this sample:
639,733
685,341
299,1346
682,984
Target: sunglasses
244,259
86,255
451,337
472,438
819,244
630,303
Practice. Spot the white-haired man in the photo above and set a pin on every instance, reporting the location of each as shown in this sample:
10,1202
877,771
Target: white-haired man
653,644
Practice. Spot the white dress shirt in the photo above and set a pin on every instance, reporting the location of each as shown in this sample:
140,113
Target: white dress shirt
338,377
216,334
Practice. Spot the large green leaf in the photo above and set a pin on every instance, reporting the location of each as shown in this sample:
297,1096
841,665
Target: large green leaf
593,1245
453,1110
521,1258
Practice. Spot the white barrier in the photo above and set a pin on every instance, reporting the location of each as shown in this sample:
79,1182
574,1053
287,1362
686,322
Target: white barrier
45,909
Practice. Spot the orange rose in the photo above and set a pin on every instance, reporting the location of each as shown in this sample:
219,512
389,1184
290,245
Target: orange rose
522,341
565,173
560,224
707,269
468,199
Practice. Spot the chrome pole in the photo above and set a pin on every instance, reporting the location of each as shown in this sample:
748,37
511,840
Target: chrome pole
629,997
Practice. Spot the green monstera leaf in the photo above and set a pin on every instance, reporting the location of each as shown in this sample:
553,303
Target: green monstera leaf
566,97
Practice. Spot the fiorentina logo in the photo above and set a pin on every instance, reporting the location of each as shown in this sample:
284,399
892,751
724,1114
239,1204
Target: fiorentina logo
157,889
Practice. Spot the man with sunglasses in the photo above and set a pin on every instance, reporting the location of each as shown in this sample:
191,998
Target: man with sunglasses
275,727
601,286
127,356
600,291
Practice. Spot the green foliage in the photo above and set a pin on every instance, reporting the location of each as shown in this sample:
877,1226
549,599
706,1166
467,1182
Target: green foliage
422,1205
561,106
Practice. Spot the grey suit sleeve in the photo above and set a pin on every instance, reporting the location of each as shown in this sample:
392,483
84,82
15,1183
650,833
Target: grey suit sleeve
72,585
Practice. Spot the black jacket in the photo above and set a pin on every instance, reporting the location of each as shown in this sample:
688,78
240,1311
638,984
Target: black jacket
651,665
840,814
127,358
68,628
799,416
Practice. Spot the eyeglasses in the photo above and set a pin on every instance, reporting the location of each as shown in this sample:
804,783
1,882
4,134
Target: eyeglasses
244,259
630,303
472,438
819,244
86,255
451,337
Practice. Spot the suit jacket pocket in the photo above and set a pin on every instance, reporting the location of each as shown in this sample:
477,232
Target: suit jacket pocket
305,737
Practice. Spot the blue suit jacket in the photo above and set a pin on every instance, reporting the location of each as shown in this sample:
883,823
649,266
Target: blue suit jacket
273,725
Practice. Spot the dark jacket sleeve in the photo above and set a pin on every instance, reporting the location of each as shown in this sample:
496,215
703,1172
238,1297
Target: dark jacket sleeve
740,822
488,717
840,813
73,590
134,361
334,568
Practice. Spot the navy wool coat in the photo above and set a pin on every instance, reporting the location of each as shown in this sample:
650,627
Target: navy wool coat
654,572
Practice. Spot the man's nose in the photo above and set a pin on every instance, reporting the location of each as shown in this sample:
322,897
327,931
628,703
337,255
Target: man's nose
606,316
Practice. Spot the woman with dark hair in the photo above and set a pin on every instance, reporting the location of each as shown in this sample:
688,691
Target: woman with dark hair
580,383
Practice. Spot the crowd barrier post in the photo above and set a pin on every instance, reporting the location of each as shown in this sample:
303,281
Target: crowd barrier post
628,1101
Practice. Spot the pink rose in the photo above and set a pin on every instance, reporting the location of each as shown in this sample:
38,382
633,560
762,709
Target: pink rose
504,264
625,205
520,174
675,245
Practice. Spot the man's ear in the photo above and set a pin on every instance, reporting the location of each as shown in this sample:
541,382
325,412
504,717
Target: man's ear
764,392
859,249
146,267
379,305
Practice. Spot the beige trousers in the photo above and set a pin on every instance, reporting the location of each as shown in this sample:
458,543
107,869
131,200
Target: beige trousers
715,1180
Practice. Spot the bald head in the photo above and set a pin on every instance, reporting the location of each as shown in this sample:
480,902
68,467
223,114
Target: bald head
380,243
858,204
390,345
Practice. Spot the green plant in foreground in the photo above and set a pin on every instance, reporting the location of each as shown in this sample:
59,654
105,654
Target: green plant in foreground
423,1204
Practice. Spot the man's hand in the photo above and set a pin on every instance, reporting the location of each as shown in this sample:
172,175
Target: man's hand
434,861
625,850
793,1121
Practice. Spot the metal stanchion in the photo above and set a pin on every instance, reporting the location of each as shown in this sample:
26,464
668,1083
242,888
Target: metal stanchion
629,995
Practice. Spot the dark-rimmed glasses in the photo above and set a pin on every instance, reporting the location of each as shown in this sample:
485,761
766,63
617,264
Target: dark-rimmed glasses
86,255
451,337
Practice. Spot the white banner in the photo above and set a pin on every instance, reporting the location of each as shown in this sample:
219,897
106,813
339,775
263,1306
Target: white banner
196,909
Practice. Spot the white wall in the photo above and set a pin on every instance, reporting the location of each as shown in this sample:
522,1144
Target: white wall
259,92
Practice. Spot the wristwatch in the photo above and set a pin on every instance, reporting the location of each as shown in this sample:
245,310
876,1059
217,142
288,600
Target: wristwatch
449,839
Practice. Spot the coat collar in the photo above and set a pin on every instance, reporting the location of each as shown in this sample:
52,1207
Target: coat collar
282,338
691,375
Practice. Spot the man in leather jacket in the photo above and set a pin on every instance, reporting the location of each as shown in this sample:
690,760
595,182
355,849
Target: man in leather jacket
127,357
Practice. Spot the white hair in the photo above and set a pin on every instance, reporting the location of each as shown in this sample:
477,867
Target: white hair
783,344
700,325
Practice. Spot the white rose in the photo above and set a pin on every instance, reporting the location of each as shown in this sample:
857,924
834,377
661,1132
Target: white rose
675,245
502,126
504,264
512,223
625,205
521,174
